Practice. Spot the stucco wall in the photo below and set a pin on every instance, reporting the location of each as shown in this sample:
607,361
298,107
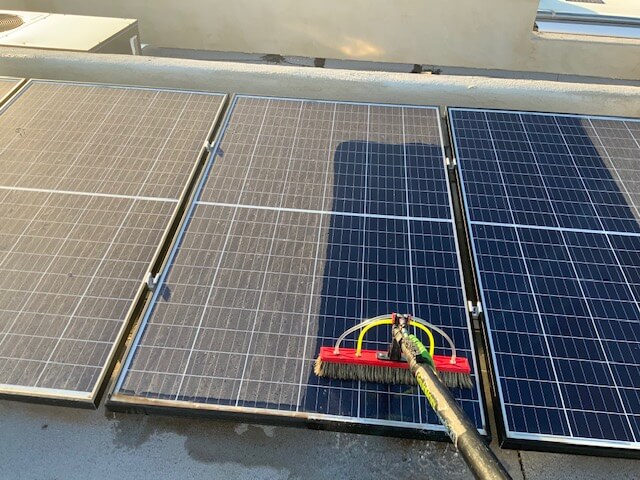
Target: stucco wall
13,5
494,34
324,83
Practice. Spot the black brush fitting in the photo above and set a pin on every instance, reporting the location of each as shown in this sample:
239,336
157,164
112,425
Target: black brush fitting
394,352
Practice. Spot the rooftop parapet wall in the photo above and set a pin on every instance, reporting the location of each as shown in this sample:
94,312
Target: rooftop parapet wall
288,81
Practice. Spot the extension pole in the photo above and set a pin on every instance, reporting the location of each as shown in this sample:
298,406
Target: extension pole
476,453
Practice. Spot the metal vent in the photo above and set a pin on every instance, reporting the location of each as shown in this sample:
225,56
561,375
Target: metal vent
9,22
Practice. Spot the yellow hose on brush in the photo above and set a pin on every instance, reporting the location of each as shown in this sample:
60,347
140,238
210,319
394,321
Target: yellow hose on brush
388,321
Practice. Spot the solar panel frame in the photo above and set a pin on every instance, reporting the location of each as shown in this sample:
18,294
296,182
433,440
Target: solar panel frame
91,399
117,401
12,84
508,437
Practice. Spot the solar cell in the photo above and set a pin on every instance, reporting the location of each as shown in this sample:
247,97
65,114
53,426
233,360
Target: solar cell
90,176
312,216
552,211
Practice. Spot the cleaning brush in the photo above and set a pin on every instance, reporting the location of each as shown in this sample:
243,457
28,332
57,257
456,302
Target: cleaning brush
391,367
409,362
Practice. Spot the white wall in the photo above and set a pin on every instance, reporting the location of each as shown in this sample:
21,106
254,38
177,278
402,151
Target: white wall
494,34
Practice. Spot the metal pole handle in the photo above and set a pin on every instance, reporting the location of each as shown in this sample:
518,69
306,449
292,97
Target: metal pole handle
476,453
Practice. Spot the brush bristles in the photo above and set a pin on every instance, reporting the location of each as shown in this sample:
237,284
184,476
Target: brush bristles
365,373
394,376
456,380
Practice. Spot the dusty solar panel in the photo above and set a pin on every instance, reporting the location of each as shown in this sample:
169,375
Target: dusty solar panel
313,216
7,85
90,176
552,204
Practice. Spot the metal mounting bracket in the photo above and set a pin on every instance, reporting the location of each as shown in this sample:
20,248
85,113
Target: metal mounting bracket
474,310
451,163
152,281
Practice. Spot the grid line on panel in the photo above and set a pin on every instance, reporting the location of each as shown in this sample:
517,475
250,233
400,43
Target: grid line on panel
411,279
364,241
268,262
90,194
425,185
212,287
34,116
535,300
564,229
406,179
577,276
408,393
66,123
635,139
610,200
317,254
134,130
613,165
266,310
326,212
18,240
44,273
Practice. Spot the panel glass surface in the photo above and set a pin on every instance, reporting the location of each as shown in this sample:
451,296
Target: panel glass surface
552,207
89,178
313,216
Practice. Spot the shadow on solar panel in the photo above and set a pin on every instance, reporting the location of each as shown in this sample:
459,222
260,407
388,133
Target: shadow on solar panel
314,241
367,273
552,204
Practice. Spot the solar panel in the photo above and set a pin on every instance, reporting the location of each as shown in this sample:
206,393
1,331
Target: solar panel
7,85
552,209
313,216
90,176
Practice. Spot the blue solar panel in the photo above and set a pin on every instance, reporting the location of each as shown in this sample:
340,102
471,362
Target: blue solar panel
312,217
552,211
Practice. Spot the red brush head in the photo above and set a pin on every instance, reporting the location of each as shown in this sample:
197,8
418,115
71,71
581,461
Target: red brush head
443,364
348,356
370,357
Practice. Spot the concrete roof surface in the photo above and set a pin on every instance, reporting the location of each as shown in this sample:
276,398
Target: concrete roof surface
47,442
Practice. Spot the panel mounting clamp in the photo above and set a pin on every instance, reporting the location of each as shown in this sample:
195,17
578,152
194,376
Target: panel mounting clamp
451,162
152,280
474,310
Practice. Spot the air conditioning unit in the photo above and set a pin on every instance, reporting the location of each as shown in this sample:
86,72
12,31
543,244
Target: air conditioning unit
69,32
